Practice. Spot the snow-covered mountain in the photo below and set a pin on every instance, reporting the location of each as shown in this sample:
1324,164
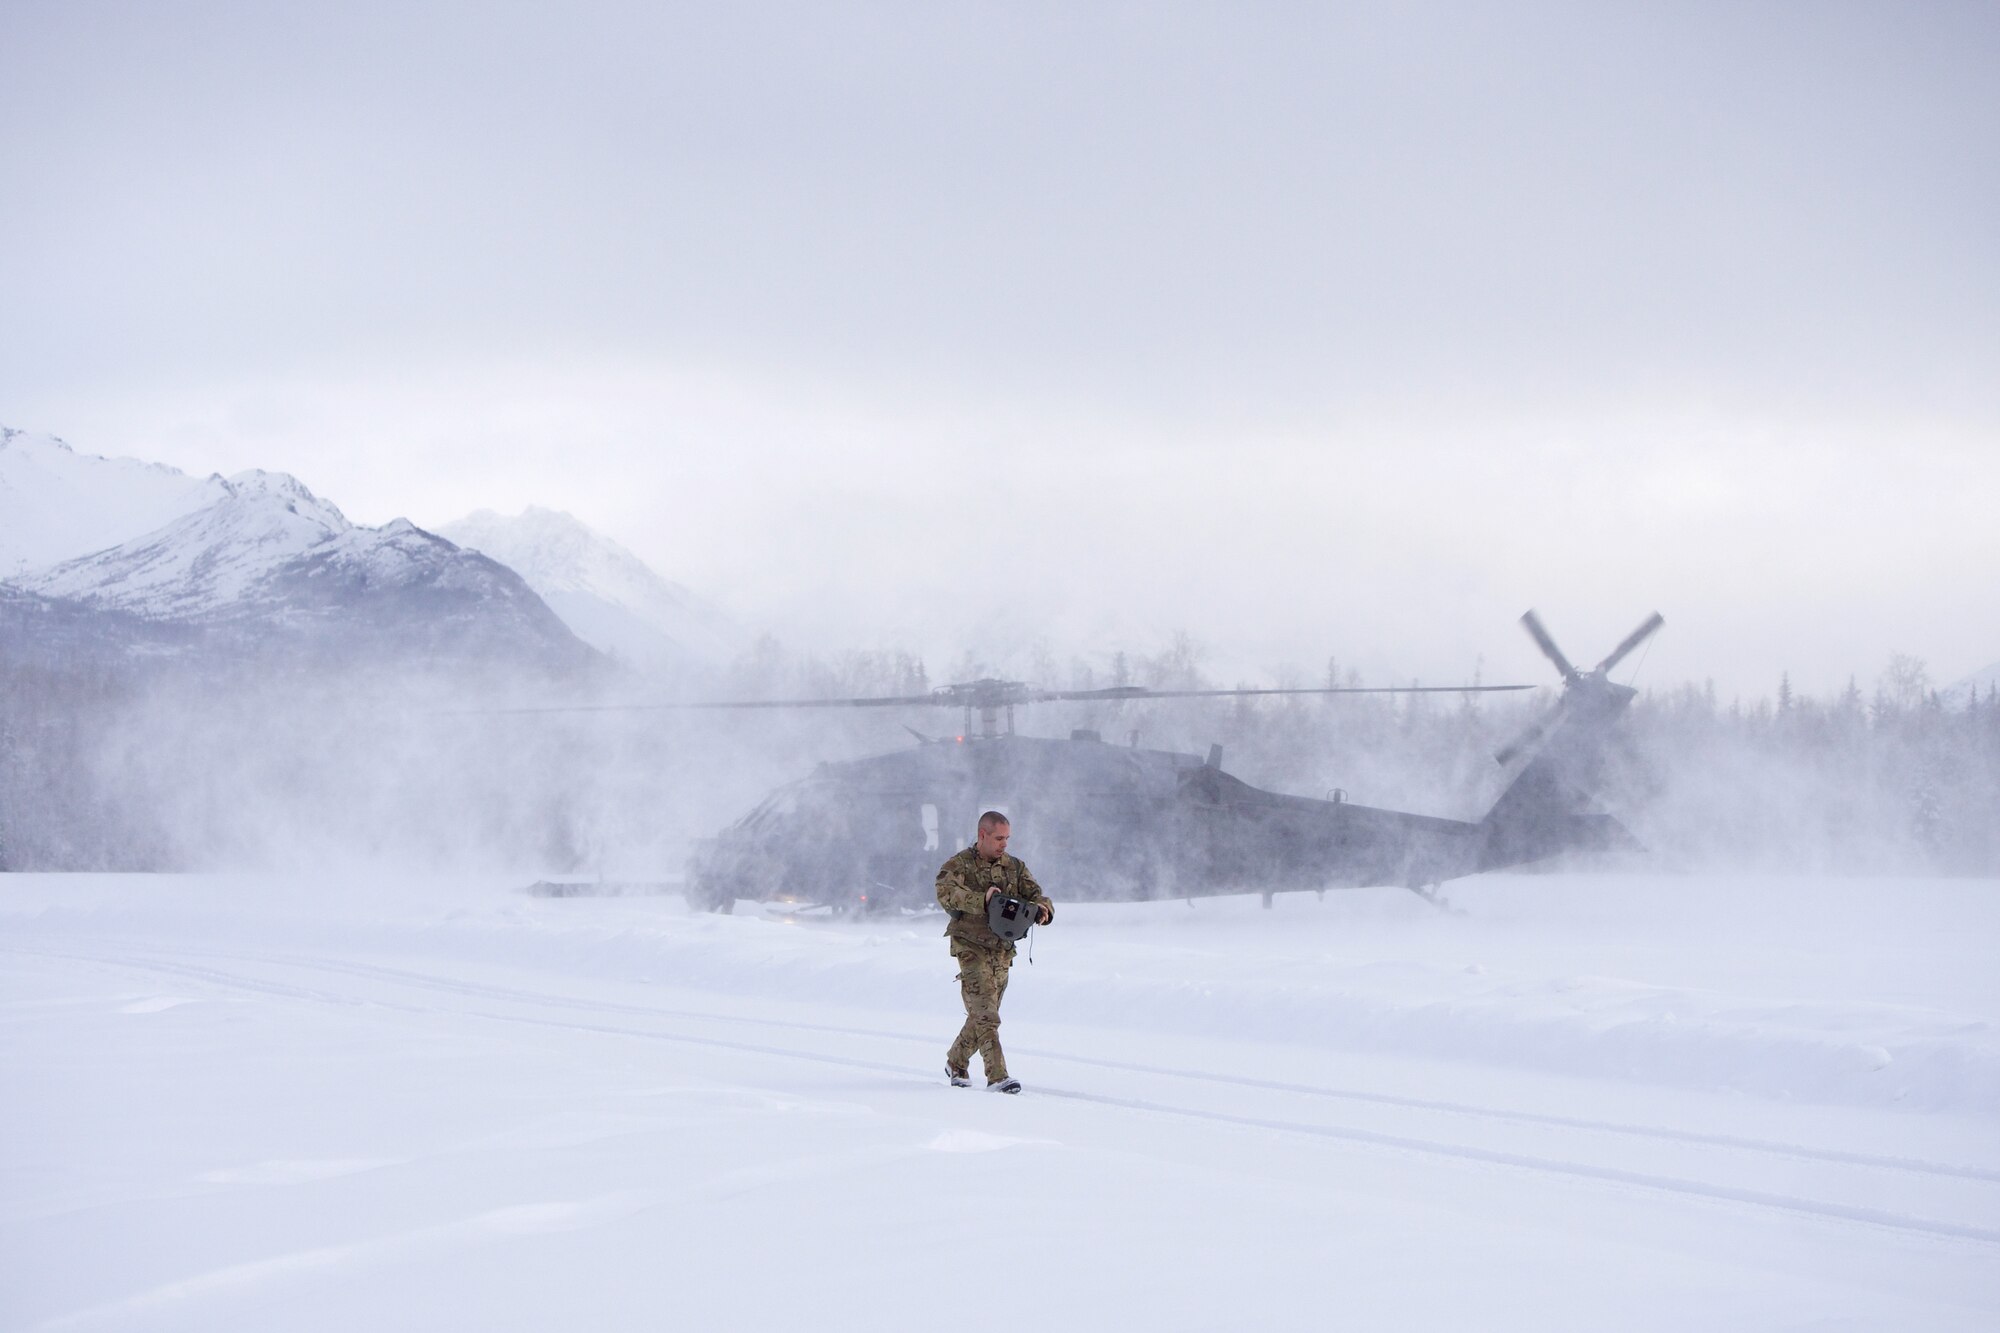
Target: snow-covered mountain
57,504
420,591
255,561
205,562
51,635
608,596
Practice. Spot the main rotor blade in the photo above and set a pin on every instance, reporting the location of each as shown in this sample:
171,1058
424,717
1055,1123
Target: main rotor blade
1117,692
1540,634
886,701
946,699
1632,640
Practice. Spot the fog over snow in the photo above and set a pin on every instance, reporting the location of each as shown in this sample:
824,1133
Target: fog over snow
1304,331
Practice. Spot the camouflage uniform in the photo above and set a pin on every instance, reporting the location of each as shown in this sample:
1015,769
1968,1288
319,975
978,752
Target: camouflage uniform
983,957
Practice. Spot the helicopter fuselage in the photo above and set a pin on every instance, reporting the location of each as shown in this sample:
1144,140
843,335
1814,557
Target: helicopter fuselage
1098,822
1116,823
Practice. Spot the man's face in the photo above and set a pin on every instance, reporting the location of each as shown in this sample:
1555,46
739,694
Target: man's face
993,841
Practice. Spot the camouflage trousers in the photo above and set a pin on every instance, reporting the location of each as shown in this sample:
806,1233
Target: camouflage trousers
982,980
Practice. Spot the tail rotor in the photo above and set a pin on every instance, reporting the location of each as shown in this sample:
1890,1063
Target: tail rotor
1543,640
1550,804
1632,640
1592,691
1528,739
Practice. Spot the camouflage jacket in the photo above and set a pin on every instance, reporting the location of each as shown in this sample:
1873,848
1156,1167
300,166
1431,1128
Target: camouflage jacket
961,890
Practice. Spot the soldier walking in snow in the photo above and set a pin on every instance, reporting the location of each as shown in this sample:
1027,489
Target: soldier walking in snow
965,885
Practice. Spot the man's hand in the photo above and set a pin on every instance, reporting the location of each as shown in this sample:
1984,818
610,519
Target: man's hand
1043,919
990,891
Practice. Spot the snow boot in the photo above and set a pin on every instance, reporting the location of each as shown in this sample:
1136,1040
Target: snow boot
959,1078
1004,1085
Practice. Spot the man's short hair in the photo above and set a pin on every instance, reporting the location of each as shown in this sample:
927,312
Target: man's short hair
992,819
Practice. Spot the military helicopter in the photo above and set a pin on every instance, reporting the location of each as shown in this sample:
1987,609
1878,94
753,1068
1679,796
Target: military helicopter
1109,822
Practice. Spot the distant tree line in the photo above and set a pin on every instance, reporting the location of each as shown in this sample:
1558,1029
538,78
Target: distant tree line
1892,779
1896,779
152,764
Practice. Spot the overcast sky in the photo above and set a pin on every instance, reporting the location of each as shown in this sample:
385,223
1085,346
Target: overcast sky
1305,329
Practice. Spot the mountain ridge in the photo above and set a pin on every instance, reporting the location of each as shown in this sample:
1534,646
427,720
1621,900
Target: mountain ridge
608,596
260,564
60,504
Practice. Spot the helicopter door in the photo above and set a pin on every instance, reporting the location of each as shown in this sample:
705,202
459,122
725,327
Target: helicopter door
930,827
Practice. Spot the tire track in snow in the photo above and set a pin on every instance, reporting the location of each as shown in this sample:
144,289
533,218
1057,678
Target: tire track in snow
486,990
1426,1147
1615,1175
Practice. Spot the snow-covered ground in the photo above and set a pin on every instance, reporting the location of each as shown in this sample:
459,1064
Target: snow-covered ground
1587,1102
